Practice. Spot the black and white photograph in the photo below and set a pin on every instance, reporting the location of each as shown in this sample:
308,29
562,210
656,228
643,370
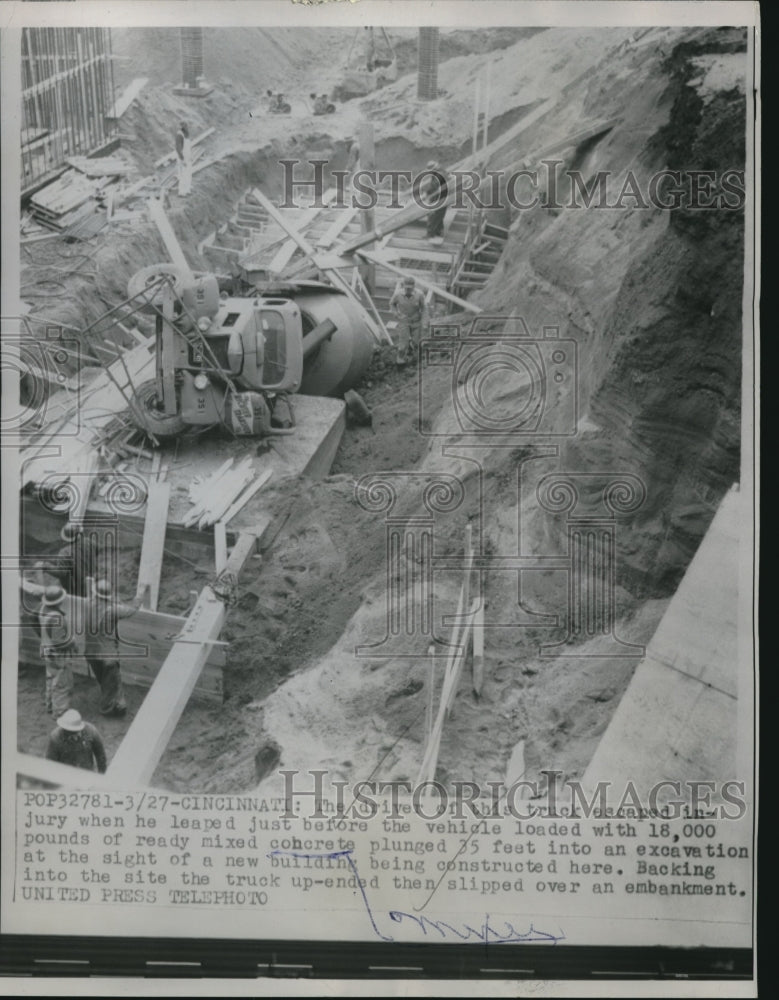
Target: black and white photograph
379,474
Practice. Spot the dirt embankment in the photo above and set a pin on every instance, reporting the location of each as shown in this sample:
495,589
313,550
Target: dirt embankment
653,299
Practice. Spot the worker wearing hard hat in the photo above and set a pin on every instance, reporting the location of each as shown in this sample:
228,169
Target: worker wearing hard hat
184,159
409,307
77,743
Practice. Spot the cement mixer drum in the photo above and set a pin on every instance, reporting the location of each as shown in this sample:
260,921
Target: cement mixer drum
339,362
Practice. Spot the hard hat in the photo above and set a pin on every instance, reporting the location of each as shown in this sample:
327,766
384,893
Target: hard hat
71,721
53,596
409,280
103,588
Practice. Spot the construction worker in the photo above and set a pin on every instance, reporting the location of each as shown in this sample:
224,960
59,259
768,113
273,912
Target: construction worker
410,309
76,560
101,647
322,106
435,191
77,743
184,159
352,155
59,646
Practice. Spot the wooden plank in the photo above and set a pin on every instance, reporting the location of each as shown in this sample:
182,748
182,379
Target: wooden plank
51,772
83,484
153,546
246,496
342,220
220,546
430,693
436,289
148,736
172,245
282,257
478,645
127,97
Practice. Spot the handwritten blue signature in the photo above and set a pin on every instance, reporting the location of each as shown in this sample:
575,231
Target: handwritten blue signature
485,932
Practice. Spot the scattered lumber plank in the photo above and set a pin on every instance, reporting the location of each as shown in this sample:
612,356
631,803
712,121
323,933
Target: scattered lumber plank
152,547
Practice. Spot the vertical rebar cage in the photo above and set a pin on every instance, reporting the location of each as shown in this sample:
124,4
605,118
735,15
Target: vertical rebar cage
67,91
427,82
191,57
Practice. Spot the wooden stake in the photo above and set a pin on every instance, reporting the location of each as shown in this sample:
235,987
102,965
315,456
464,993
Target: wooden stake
152,547
220,546
430,693
478,644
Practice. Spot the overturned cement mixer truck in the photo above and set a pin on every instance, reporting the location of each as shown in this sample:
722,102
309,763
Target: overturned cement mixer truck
234,361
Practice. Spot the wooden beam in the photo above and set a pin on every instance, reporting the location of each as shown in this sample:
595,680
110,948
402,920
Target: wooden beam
152,548
220,546
83,484
246,496
368,215
127,97
342,220
148,736
436,289
172,245
478,644
282,257
51,772
429,711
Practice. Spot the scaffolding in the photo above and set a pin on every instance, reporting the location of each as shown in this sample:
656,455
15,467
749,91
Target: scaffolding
67,89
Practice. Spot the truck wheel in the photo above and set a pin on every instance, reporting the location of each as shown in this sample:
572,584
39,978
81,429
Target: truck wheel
143,284
148,413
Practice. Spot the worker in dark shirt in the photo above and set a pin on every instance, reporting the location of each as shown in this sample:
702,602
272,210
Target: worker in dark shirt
436,192
77,743
102,644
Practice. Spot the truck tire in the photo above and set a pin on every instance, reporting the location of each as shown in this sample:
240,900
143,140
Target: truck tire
147,414
142,281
